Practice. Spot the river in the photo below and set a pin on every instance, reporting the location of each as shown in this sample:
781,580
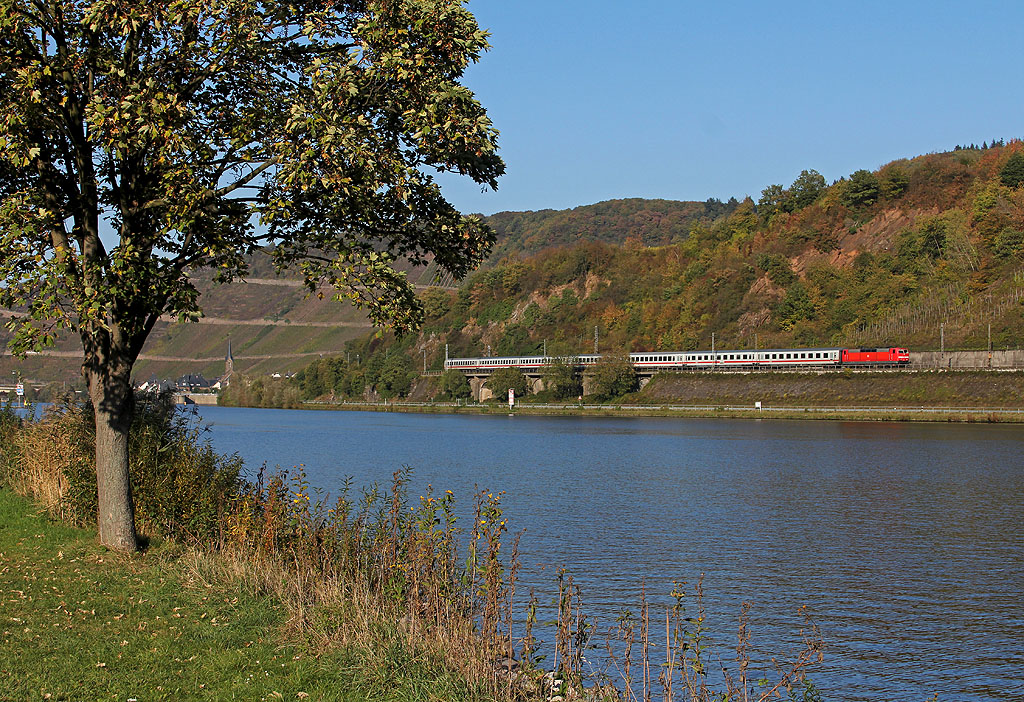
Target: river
903,540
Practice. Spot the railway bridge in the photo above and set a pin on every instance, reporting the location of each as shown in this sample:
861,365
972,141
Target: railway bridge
478,378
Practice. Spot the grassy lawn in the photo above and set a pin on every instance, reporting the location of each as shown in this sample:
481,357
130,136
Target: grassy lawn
80,623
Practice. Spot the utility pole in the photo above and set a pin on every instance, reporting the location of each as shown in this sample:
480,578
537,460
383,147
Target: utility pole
424,361
545,348
714,361
595,339
942,337
756,347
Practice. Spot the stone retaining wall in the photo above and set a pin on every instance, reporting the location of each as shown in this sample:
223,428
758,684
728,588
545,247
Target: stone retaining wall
1013,358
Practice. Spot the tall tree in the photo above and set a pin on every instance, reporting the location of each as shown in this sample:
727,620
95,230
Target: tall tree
562,378
861,190
142,141
613,376
806,189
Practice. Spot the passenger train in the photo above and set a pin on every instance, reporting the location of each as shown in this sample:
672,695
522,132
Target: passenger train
703,360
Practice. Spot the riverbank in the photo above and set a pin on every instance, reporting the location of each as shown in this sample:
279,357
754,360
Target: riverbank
923,396
862,414
81,622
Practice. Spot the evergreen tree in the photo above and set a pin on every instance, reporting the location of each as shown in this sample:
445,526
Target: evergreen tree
1012,173
861,190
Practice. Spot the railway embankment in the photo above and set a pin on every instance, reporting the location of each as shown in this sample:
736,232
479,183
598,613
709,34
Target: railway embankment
912,389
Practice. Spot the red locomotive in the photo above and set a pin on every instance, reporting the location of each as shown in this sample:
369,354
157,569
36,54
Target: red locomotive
874,357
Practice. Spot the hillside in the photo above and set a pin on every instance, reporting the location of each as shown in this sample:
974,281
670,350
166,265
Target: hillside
275,328
649,222
921,252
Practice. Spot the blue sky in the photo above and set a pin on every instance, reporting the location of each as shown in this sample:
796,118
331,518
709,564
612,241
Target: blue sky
679,100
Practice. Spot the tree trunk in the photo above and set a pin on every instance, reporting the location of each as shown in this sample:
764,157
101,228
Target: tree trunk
112,400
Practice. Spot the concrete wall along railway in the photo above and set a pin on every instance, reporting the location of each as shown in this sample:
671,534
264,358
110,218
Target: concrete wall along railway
1012,358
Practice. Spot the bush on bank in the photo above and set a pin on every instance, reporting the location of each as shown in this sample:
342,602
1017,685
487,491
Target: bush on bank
178,481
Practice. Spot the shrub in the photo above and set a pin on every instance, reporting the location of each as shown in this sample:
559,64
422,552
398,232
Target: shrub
613,376
455,385
1009,242
179,483
562,379
894,183
777,267
504,378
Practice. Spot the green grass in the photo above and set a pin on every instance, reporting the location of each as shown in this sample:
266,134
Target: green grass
80,623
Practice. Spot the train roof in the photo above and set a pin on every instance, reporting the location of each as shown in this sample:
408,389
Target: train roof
669,353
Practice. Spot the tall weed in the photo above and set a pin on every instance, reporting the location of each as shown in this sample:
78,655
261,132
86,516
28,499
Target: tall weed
179,483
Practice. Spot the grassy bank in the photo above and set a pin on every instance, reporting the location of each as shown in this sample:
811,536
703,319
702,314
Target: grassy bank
749,411
921,389
82,623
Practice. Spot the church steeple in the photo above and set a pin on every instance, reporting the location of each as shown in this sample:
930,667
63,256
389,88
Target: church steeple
229,365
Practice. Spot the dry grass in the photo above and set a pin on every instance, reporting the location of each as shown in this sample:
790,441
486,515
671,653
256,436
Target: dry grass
38,455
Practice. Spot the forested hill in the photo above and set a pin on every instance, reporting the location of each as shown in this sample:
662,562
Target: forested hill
916,249
650,222
919,248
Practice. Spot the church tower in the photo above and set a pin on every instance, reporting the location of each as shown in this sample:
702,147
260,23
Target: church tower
229,366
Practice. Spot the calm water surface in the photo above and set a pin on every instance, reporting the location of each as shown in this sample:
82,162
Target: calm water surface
903,539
